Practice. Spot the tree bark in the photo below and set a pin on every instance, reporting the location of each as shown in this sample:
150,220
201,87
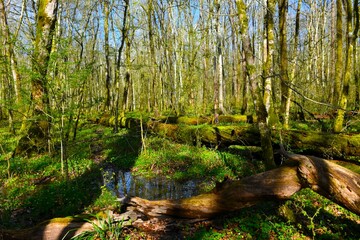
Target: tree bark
356,71
260,108
127,87
9,49
283,65
107,55
294,63
339,120
330,180
152,95
38,135
124,36
338,54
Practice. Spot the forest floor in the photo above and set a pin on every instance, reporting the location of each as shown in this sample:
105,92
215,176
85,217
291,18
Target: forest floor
35,189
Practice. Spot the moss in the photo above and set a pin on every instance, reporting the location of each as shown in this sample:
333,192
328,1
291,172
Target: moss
104,119
112,121
64,220
286,212
35,140
192,120
232,118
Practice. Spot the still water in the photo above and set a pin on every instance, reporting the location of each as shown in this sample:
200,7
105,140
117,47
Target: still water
125,184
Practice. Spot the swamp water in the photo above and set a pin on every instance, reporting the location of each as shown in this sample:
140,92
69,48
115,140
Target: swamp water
158,188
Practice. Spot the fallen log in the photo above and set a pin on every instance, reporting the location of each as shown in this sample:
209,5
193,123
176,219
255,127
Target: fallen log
330,180
206,119
54,229
323,144
247,135
327,145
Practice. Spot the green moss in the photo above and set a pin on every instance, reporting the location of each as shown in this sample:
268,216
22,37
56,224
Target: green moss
107,200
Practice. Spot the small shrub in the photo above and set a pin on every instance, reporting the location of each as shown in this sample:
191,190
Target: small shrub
104,229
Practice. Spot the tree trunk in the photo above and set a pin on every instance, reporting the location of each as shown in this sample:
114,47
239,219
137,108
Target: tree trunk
152,96
260,108
107,55
339,120
294,64
338,55
218,63
356,70
268,55
124,36
283,9
127,87
9,50
11,81
330,180
38,135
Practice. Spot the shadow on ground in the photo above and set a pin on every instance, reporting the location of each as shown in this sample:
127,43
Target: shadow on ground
59,197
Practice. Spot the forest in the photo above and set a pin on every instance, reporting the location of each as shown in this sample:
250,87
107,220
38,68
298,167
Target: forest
171,119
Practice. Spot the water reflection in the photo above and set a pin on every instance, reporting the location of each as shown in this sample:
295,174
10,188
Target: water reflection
124,183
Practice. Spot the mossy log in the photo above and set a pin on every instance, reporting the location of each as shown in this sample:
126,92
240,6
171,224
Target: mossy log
54,229
109,121
332,181
206,119
326,145
207,134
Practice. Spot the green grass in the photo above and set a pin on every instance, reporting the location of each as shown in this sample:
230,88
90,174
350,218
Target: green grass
180,161
36,189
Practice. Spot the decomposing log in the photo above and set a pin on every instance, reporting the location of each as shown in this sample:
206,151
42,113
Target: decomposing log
54,229
279,183
336,146
207,134
330,180
327,145
206,119
109,121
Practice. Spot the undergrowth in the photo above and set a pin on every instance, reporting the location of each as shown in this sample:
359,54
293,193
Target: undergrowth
34,189
179,161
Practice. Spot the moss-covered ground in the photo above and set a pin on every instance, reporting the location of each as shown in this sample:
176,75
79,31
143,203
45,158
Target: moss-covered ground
35,189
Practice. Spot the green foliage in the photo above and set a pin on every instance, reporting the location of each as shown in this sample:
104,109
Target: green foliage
207,234
25,200
319,218
107,200
259,222
123,148
37,191
180,161
312,217
104,229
